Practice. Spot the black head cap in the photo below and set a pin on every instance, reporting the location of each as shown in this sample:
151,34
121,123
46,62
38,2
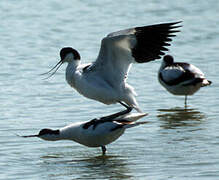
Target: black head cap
64,51
48,131
168,59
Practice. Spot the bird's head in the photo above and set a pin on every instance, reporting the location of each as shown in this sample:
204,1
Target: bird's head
168,59
67,54
46,134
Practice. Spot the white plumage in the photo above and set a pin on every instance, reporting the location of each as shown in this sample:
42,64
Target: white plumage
94,133
181,78
104,80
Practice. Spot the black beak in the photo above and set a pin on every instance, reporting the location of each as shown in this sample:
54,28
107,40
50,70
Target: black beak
50,73
29,136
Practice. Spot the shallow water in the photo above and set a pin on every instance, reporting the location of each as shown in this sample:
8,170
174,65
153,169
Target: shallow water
175,144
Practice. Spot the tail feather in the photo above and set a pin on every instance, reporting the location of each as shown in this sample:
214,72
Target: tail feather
132,116
206,82
130,120
134,124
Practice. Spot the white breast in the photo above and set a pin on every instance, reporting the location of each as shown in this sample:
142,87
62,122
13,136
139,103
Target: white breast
171,73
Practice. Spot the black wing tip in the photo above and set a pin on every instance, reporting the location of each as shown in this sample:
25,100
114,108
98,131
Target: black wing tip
172,24
176,22
153,41
164,28
163,24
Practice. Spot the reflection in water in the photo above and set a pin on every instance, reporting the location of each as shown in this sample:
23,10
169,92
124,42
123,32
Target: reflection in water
107,167
176,117
100,167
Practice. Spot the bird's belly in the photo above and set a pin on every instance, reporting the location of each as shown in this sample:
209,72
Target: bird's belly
98,90
100,139
183,89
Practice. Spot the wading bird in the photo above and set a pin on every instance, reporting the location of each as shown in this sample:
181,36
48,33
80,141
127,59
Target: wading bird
180,78
95,133
104,80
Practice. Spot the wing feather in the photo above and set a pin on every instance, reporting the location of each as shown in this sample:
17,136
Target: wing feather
140,44
170,74
176,75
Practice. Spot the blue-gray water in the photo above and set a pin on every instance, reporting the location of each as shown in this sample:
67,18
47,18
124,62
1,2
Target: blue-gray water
175,144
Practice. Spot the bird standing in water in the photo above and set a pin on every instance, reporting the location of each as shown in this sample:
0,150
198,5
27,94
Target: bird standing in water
180,78
95,133
104,80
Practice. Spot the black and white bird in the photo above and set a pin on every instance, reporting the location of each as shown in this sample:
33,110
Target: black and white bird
104,80
95,133
180,78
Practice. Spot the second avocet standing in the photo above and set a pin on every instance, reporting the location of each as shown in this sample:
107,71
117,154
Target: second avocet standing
180,78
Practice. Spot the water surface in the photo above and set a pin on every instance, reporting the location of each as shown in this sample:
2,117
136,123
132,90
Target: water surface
175,144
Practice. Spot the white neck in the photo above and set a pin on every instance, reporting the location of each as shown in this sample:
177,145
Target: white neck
70,132
70,71
163,64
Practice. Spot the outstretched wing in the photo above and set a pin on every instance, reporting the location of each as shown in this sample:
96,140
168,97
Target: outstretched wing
140,44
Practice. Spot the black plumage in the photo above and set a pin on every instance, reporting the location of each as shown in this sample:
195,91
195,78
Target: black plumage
152,41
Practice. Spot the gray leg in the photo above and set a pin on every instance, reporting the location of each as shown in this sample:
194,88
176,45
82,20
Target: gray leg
185,101
126,106
113,116
103,150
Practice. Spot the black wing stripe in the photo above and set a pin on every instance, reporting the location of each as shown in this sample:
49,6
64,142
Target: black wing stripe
95,122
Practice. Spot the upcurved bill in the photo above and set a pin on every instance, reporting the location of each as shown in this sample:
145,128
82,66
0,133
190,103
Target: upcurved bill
50,73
